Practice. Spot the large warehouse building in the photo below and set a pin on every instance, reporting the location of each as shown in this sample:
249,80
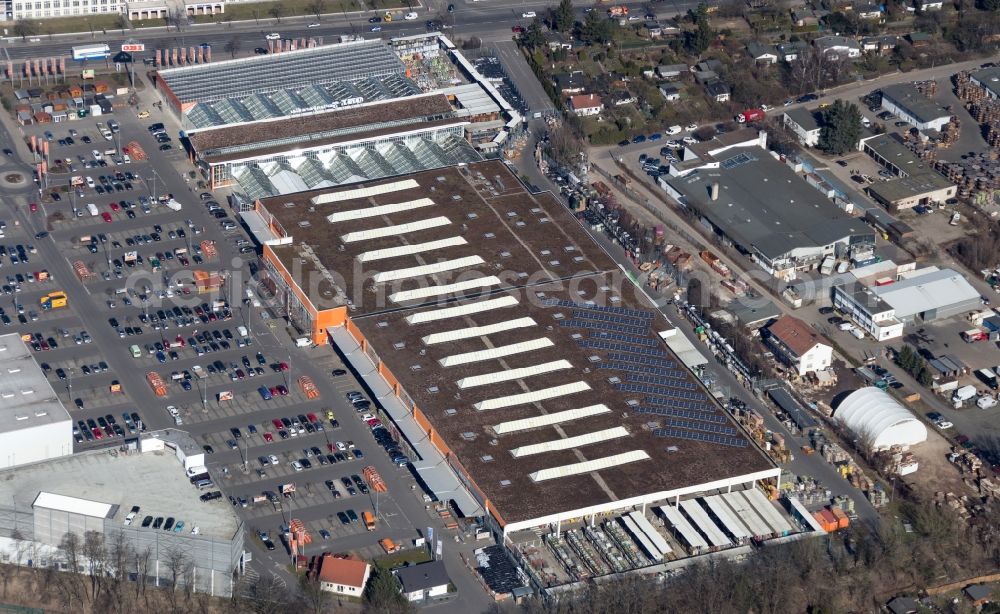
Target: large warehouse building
34,424
96,491
336,114
531,380
763,207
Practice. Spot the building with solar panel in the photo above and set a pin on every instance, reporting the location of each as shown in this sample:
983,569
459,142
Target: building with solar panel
529,381
332,115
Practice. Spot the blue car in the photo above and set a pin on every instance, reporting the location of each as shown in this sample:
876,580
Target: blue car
264,393
639,139
160,356
655,137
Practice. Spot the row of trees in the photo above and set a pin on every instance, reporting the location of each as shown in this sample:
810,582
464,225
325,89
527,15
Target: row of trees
913,363
114,577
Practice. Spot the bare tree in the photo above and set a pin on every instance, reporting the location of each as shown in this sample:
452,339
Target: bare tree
233,46
179,566
267,594
95,557
143,564
317,8
276,11
24,28
312,598
70,587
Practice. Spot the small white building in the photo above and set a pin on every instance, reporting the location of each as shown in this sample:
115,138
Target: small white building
803,123
343,576
798,346
838,47
867,311
585,105
424,581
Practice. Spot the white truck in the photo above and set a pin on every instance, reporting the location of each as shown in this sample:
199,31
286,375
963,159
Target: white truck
986,401
963,394
173,205
92,208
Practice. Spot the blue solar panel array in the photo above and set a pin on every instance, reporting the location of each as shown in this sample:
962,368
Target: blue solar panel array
687,395
659,383
600,316
735,442
602,326
634,313
632,339
650,362
701,406
601,344
682,413
641,373
625,366
695,425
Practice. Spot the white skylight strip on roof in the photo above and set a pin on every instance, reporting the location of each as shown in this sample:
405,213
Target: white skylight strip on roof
497,352
511,374
588,466
398,229
461,286
558,417
427,269
570,442
532,397
478,331
409,250
432,315
360,214
385,188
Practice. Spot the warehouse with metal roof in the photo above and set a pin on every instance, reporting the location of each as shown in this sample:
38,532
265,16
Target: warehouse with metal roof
930,294
871,412
768,211
530,382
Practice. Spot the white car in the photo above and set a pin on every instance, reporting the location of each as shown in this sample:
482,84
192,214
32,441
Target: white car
691,127
273,459
672,130
296,465
90,182
690,140
131,516
273,36
410,16
314,24
944,424
765,108
528,14
173,411
673,144
341,446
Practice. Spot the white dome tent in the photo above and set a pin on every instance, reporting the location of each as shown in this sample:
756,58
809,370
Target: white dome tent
872,412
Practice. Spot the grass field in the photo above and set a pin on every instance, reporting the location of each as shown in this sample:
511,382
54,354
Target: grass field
264,11
413,555
89,23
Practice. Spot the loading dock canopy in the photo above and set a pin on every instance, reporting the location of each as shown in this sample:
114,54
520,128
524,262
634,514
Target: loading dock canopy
73,505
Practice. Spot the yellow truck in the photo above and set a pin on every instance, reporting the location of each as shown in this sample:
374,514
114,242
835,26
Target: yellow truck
53,300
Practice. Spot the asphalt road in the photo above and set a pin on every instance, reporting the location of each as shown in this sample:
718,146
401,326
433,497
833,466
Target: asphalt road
490,21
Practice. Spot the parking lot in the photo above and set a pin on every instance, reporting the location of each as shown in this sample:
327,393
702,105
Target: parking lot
127,265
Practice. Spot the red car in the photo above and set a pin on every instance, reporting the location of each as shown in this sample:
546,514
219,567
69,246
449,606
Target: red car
33,207
268,437
374,422
283,366
277,424
273,390
98,434
312,417
517,29
282,390
106,216
115,207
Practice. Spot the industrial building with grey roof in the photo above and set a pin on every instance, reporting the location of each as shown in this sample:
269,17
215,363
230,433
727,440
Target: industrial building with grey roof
768,211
